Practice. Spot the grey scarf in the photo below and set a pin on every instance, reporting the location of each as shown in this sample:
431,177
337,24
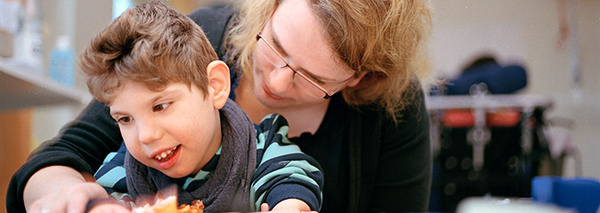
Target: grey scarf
228,187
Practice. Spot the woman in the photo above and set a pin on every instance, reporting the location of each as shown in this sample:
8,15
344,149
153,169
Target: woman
342,72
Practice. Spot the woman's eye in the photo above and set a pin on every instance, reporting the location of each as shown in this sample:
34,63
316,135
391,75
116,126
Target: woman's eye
160,107
313,79
318,81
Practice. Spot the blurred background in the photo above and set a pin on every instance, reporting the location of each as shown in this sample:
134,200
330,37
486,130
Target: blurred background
555,43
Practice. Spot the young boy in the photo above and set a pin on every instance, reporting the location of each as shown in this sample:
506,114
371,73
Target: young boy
168,93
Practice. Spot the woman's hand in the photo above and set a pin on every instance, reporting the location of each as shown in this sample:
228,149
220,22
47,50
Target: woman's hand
60,189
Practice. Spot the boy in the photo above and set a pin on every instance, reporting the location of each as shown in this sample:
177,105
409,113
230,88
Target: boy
168,92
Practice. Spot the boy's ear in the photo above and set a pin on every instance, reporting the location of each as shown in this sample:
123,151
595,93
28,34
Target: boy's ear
219,83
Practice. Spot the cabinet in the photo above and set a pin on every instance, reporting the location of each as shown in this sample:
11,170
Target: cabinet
19,92
15,140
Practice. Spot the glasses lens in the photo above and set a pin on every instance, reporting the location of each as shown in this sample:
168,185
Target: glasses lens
270,54
300,79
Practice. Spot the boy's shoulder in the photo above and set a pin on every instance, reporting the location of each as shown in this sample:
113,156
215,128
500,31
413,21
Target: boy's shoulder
270,125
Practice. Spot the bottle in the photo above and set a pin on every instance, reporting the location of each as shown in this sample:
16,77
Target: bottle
62,62
28,47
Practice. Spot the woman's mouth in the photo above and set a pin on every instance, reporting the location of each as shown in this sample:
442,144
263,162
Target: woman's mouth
270,94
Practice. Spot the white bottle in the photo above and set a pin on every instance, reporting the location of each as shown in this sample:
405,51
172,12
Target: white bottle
28,42
62,62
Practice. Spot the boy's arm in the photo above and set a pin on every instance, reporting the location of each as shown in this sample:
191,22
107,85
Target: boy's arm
283,171
111,175
289,205
70,190
81,145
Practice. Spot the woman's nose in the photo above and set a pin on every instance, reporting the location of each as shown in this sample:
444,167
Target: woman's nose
281,79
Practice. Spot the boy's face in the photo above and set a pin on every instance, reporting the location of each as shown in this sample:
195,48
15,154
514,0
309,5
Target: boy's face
176,130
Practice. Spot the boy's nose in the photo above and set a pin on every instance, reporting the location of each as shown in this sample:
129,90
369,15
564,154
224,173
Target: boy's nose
148,132
281,80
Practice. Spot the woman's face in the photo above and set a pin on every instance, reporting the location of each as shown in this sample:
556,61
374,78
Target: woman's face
294,33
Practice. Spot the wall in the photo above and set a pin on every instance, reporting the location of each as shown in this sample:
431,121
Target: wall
526,32
81,20
522,31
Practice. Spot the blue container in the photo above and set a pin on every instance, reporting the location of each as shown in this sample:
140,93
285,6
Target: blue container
62,62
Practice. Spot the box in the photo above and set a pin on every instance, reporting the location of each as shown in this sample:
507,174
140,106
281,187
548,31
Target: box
7,41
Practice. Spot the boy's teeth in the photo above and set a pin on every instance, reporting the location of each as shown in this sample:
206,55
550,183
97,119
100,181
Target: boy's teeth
164,154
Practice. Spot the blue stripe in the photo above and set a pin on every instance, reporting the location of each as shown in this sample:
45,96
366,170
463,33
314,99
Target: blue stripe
110,178
281,167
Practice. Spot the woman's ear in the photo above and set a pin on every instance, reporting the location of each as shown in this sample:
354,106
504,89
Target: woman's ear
356,80
219,83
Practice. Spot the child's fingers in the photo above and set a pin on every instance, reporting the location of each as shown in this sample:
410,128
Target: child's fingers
264,207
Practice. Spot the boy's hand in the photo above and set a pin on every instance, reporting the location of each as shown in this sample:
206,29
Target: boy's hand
287,205
73,198
60,189
107,205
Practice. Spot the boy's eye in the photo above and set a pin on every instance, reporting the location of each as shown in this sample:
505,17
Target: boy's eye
123,120
160,107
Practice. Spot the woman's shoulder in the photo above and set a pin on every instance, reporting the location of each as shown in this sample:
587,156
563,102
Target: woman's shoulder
214,21
415,105
216,15
412,114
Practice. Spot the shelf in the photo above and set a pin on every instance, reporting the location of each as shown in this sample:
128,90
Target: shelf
435,103
19,88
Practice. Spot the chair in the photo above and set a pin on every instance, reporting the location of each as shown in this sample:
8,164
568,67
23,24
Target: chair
582,194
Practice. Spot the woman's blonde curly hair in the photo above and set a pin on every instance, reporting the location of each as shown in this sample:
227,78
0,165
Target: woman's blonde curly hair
385,39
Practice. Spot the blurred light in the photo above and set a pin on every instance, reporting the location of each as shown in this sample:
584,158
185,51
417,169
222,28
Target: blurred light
119,6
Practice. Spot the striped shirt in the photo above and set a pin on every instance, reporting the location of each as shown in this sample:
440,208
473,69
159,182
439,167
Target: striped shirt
282,170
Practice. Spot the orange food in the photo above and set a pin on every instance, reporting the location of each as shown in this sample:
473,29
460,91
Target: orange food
169,205
196,207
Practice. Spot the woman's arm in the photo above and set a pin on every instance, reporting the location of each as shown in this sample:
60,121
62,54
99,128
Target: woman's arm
403,175
81,146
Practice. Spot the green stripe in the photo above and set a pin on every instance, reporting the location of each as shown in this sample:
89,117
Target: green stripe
260,141
257,202
304,165
293,170
109,157
283,131
276,150
112,177
200,176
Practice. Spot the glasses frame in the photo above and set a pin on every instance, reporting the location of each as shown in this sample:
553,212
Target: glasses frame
328,95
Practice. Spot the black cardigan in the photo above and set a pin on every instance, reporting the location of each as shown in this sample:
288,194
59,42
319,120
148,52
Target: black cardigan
369,163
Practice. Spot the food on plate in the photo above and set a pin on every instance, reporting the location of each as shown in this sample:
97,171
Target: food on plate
196,207
169,205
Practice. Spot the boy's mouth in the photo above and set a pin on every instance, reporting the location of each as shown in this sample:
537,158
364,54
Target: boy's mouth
166,155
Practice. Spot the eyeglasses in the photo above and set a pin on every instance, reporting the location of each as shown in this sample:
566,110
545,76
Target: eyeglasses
276,59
